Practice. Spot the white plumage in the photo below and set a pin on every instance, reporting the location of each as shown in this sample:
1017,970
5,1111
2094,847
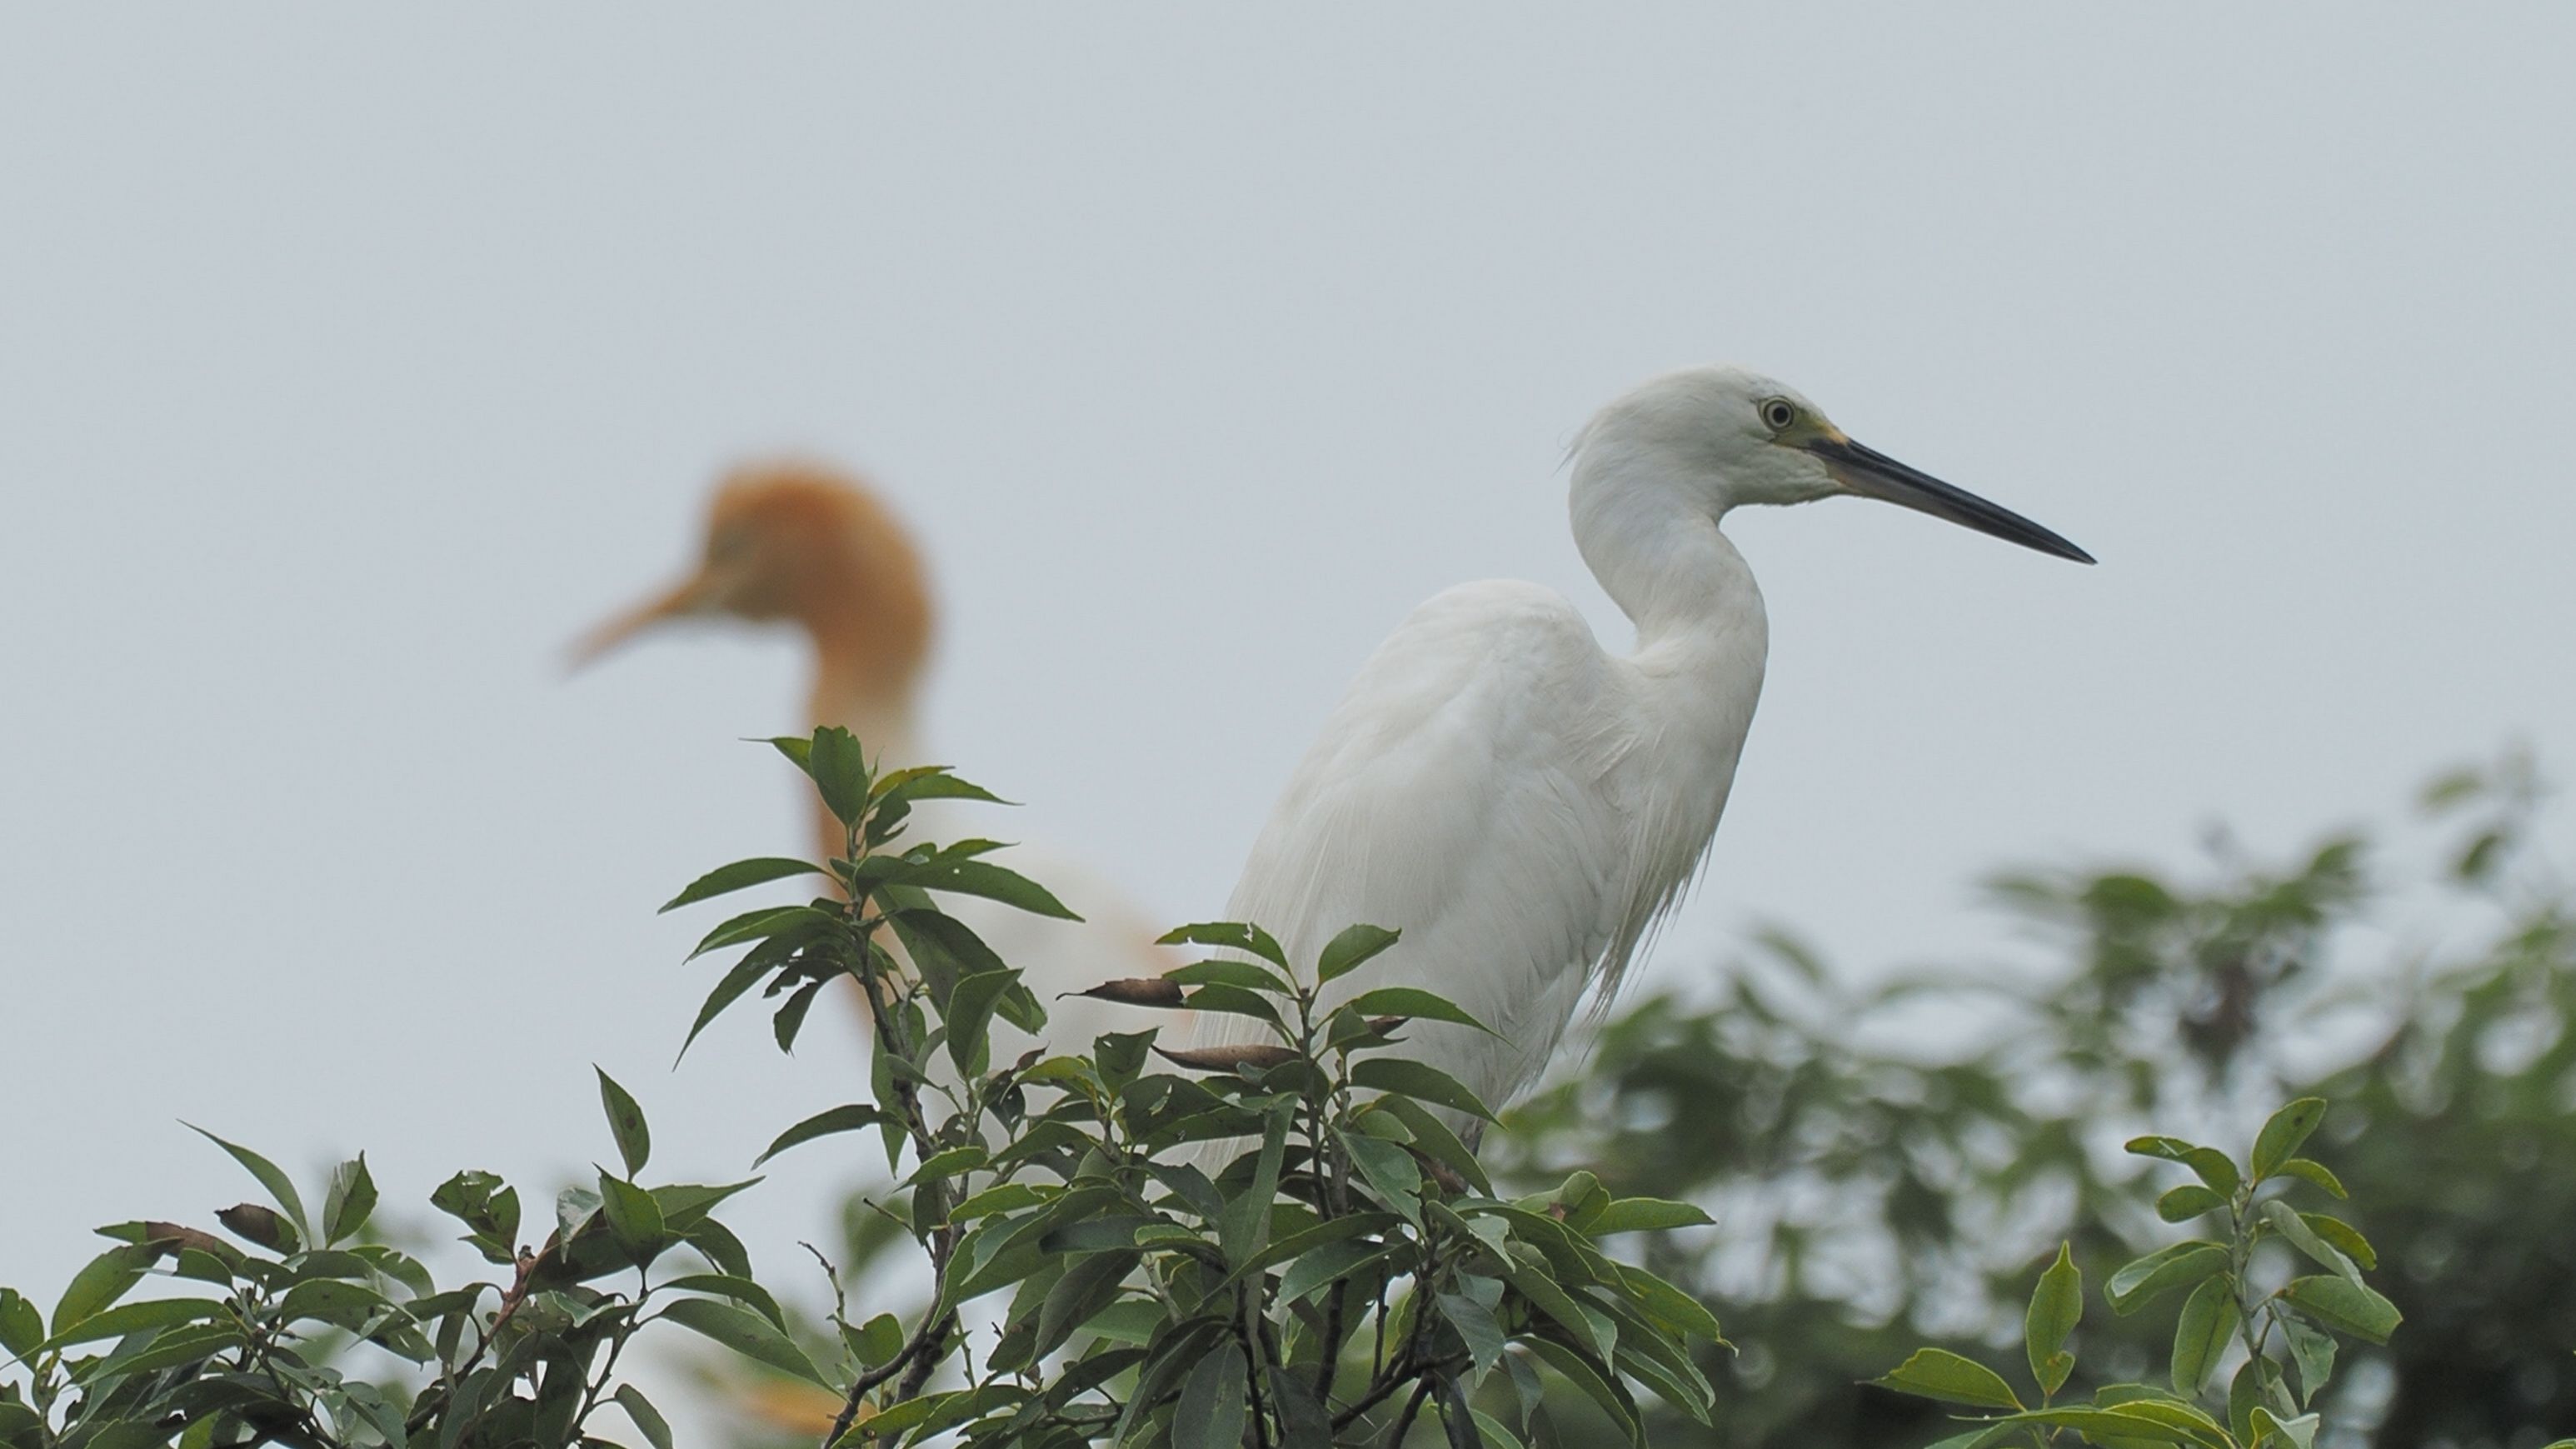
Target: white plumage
1524,805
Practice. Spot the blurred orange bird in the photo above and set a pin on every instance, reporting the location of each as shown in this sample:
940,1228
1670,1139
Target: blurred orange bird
802,544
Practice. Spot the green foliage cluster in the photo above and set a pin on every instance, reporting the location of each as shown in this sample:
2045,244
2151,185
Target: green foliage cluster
1890,1161
300,1331
2296,1320
1284,1244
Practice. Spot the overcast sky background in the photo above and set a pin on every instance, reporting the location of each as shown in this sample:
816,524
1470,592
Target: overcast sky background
352,361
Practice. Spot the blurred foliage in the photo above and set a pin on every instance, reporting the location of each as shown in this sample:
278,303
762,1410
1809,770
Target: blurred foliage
2285,1337
1893,1163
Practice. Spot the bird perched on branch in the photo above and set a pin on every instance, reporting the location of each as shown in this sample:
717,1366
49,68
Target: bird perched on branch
1524,805
802,545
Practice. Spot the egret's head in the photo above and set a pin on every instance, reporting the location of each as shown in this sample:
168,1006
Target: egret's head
799,543
1732,437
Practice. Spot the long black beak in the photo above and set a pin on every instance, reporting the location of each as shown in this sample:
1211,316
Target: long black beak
1873,474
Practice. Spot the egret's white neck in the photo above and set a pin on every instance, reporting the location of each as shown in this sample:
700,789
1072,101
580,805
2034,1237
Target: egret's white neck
1653,542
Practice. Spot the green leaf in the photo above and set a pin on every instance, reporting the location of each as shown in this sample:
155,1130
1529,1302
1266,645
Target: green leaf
930,1408
574,1208
2187,1202
949,1163
789,1019
877,1341
2257,1385
1232,935
2173,1267
2055,1305
1304,1423
715,1241
1210,1414
993,883
2282,1134
21,1326
133,1318
780,929
647,1420
1326,1265
839,768
625,1123
726,1285
1645,1215
634,1219
1434,1137
2201,1338
745,974
2344,1306
103,1280
1244,1228
932,782
1237,1001
1353,948
1419,1080
281,1188
1249,975
353,1306
488,1207
2294,1230
2346,1238
1086,1288
2301,1432
2214,1166
2114,1425
1933,1373
1407,1001
168,1349
746,1333
970,1017
1579,1369
1004,1198
849,1118
1389,1170
349,1201
2166,1415
1477,1328
741,875
1669,1306
2312,1351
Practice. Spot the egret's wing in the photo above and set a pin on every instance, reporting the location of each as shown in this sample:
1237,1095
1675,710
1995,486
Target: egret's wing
1459,794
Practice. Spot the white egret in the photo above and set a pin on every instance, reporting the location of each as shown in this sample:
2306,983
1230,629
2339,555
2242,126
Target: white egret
1524,805
803,544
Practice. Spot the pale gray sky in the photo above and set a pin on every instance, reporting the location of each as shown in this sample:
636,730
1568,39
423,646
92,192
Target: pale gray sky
352,360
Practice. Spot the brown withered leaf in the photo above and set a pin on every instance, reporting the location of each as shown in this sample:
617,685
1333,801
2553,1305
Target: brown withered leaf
170,1239
1228,1058
1136,991
259,1224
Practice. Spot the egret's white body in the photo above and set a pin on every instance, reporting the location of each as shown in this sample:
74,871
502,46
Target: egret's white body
1524,805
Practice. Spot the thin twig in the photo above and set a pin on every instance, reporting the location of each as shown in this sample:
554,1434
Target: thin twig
1387,1382
1412,1406
510,1301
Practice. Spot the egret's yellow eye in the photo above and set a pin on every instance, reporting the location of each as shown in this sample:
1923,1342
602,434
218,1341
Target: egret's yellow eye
1778,413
